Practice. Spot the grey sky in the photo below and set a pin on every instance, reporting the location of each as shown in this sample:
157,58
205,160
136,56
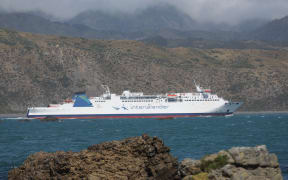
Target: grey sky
218,11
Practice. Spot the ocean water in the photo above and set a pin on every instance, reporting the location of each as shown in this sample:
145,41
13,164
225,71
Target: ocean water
186,137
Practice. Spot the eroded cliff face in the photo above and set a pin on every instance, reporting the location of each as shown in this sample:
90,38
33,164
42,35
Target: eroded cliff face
36,70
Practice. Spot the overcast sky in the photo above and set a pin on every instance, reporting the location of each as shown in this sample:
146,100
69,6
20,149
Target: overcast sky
218,11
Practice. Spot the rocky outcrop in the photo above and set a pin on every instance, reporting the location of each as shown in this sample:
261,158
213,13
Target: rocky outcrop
237,163
133,158
147,158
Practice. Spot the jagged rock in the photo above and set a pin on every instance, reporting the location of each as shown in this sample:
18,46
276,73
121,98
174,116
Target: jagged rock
133,158
256,156
238,173
189,167
250,163
210,157
240,163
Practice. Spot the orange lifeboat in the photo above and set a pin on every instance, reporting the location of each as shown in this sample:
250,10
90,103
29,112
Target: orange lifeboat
171,95
207,90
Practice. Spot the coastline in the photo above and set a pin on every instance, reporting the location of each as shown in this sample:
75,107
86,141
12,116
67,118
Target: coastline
261,112
12,115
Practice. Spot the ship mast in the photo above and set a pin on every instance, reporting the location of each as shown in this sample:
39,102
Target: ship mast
107,89
198,88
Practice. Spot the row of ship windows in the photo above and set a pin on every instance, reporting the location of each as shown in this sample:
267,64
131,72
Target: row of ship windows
168,101
139,101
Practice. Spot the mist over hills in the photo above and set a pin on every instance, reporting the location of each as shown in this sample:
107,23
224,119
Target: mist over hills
276,30
150,19
164,21
35,23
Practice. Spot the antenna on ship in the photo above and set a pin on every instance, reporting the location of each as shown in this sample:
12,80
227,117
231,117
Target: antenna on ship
194,82
198,88
106,88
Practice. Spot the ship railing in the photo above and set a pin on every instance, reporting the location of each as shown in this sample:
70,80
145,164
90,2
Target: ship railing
139,97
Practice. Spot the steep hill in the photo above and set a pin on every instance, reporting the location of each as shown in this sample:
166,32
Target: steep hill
38,69
37,23
150,19
162,20
276,30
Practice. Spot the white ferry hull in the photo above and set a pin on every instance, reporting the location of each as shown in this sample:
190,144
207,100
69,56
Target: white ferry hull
138,110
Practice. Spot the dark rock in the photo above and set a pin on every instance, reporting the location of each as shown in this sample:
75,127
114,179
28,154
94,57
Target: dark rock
133,158
189,167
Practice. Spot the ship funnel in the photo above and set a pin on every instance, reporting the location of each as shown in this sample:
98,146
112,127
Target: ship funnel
81,100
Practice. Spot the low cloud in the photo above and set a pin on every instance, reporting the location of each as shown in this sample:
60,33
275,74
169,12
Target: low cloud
217,11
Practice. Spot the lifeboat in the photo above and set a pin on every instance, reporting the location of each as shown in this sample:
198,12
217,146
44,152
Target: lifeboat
172,95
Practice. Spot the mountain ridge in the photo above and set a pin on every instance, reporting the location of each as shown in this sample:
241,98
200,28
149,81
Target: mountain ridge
161,20
276,30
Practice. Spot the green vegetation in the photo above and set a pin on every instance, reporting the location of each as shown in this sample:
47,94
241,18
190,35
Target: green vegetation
218,163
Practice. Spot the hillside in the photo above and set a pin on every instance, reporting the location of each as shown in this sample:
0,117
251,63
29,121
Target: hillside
276,30
39,69
35,23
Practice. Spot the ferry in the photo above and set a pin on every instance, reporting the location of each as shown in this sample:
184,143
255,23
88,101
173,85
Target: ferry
138,105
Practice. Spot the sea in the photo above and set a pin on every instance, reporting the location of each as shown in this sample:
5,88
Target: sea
186,137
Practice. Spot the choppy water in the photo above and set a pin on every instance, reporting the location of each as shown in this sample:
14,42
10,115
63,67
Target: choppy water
187,137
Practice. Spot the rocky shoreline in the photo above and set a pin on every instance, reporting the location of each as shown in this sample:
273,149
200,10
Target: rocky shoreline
147,157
